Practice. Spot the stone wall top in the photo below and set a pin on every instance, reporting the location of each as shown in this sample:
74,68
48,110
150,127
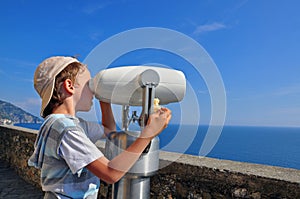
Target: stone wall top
278,173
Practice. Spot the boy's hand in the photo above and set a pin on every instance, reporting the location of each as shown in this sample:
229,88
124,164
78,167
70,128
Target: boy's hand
157,122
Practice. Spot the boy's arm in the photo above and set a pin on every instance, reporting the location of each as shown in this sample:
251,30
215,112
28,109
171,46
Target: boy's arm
113,170
108,120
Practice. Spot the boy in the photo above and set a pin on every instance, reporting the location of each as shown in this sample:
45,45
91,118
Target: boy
70,163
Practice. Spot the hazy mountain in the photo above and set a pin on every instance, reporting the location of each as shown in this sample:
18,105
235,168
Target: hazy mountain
10,114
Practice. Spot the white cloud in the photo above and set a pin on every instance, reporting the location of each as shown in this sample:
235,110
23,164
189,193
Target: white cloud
288,111
288,90
95,36
93,8
29,102
16,62
31,105
209,27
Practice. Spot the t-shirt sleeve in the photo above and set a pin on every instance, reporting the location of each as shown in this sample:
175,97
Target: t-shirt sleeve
94,130
78,150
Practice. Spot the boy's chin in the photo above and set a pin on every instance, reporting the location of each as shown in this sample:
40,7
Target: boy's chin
85,109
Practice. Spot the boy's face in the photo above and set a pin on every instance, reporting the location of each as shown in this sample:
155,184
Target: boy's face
83,96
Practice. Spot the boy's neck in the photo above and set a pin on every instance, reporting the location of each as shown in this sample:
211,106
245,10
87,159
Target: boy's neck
65,108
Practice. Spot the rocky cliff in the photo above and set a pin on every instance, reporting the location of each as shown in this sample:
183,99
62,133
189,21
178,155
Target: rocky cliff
10,114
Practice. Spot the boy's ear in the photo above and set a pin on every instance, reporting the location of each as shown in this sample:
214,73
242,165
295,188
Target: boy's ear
68,86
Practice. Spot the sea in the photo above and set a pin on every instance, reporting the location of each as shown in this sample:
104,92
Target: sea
275,146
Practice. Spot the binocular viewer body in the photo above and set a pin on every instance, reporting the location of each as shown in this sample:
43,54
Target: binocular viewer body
124,85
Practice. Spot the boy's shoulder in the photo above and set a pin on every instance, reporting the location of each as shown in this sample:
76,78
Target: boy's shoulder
60,122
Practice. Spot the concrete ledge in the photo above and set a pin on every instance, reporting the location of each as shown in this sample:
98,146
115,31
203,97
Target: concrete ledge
180,176
272,172
196,177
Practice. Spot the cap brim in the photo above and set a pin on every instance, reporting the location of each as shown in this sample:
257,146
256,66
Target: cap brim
47,97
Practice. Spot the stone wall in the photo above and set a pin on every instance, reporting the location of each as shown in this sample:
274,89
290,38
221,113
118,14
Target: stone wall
16,146
180,176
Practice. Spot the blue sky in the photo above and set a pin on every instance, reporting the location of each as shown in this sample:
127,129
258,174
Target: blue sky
254,44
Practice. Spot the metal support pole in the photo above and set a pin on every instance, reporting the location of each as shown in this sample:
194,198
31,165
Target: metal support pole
136,183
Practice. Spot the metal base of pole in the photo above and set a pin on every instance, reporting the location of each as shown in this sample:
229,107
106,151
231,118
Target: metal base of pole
132,188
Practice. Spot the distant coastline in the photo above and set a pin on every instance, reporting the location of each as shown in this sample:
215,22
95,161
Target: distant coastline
11,114
276,146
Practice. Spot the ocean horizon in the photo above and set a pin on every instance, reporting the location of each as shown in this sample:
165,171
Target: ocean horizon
274,146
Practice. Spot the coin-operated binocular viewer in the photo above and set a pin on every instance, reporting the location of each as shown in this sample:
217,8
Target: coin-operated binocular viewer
136,86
